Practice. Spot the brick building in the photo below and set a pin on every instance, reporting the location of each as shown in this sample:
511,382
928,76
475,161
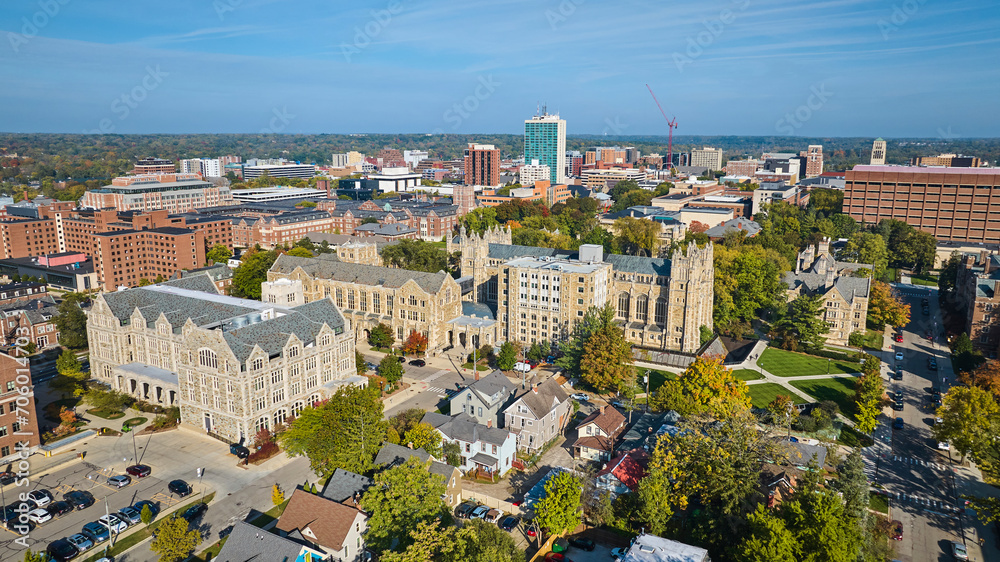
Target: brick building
33,320
16,292
482,165
174,192
953,204
15,373
977,288
124,258
152,165
233,366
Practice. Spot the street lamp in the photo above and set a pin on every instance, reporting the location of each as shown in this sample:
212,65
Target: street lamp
828,365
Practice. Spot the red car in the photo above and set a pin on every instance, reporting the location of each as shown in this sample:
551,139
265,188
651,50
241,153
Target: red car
139,470
897,530
530,531
556,557
899,338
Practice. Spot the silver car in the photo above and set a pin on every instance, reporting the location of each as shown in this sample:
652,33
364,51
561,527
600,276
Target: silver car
80,541
130,514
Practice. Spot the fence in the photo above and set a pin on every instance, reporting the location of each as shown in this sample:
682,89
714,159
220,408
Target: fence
492,502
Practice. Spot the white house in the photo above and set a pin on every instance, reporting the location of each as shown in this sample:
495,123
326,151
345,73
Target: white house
483,448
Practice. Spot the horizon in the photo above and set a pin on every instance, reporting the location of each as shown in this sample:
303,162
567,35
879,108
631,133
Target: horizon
748,68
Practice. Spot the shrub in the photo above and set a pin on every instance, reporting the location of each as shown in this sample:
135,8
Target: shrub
264,451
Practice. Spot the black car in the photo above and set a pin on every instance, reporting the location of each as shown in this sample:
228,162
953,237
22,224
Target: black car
240,451
509,523
138,470
61,550
898,424
936,391
465,509
582,544
418,362
192,513
402,359
932,364
898,375
898,406
7,478
897,396
141,504
56,509
15,525
179,487
79,499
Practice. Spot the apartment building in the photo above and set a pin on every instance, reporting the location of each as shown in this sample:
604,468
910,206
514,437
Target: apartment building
173,192
153,166
127,257
545,141
482,165
708,157
814,160
604,179
302,171
22,291
29,321
541,190
18,417
534,172
977,289
952,204
233,366
746,168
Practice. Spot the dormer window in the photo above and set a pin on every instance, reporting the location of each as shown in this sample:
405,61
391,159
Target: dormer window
293,351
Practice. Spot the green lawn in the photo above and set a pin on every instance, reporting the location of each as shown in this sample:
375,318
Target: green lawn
747,374
838,389
783,363
763,394
107,414
878,502
656,379
874,339
918,281
852,438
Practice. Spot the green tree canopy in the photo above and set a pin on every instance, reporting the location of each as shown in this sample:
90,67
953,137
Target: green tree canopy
252,272
381,336
398,500
173,540
637,237
72,322
705,387
607,360
416,255
390,368
560,509
507,357
803,323
424,436
219,253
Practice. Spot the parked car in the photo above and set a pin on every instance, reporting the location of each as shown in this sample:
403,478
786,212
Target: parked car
579,396
463,510
15,526
418,363
509,523
40,498
898,406
401,359
59,508
582,544
897,396
556,557
80,541
179,487
898,424
39,515
927,311
932,364
120,480
96,531
522,367
899,338
479,513
899,356
493,516
239,450
958,550
112,522
152,506
935,390
130,515
193,512
944,445
138,470
898,374
79,499
62,550
7,478
897,530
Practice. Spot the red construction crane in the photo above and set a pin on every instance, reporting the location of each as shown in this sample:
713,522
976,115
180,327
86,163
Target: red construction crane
671,125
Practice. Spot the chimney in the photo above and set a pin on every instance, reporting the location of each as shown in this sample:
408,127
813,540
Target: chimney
986,262
602,409
534,389
489,423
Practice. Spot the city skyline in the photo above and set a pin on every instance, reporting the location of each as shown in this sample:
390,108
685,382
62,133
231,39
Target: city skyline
743,67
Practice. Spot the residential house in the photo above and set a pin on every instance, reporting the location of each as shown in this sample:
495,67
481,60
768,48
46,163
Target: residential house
345,487
598,433
30,319
247,543
484,399
484,448
623,473
391,455
651,548
334,529
777,483
538,415
801,453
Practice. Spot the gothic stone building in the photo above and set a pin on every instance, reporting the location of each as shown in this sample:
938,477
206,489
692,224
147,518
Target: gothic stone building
233,366
540,293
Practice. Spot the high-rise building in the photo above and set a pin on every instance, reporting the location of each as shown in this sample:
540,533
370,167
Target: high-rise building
707,157
482,165
354,158
173,192
207,167
413,158
339,161
530,173
878,152
574,163
545,141
742,167
154,166
814,160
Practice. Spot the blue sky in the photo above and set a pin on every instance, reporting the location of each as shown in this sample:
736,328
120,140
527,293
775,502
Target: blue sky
891,68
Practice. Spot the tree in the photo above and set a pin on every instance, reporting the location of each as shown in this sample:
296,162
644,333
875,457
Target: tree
949,274
146,515
479,540
747,282
593,321
173,540
398,500
359,363
277,495
300,252
429,542
416,343
634,198
970,421
71,381
72,322
804,321
248,277
39,556
853,486
507,357
705,387
886,307
783,410
344,432
868,396
559,510
768,539
607,361
965,358
381,336
534,352
390,369
424,436
826,200
866,247
479,220
637,237
415,255
220,253
452,453
621,188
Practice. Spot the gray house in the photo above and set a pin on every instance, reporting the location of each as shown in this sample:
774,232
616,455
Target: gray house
538,415
485,399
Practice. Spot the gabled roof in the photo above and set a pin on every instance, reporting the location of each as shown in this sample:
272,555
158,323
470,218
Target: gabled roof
319,520
495,383
595,442
463,427
391,455
541,399
323,267
247,543
343,485
628,468
305,321
608,419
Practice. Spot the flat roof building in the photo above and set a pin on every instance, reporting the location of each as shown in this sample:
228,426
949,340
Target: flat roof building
277,193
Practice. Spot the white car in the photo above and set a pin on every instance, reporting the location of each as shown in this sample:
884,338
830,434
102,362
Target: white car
41,498
899,356
39,516
522,366
113,522
944,445
580,396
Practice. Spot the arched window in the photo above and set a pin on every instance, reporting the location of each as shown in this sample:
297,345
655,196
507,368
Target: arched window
207,358
642,308
624,302
297,407
262,423
661,312
279,417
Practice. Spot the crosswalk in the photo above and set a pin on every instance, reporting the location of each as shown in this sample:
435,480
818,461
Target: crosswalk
934,506
919,462
437,390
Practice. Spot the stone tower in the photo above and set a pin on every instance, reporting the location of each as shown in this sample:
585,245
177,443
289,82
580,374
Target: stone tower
692,277
475,250
878,152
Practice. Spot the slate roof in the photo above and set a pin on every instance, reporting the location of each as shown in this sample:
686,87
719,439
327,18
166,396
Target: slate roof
739,224
542,399
271,336
463,427
214,272
200,281
630,264
247,543
344,484
848,287
493,383
391,455
319,520
324,268
392,229
801,453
